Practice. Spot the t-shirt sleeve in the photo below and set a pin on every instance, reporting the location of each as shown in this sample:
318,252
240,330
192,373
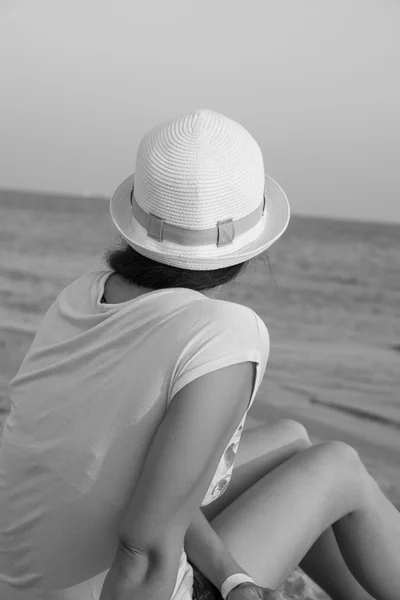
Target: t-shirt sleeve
218,335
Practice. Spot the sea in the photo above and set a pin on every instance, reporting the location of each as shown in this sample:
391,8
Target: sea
328,291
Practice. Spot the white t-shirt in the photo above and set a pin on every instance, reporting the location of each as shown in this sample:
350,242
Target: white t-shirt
85,406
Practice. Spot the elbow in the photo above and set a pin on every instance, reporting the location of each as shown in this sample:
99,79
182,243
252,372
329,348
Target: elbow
131,562
151,540
128,550
137,573
151,552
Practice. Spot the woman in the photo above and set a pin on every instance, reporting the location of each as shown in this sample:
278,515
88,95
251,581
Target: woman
129,406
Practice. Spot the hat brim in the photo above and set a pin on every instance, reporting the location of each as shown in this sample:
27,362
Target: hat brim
276,222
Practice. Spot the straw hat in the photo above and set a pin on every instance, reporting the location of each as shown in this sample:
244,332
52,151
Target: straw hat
199,198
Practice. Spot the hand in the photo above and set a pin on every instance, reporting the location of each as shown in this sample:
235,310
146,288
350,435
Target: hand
252,591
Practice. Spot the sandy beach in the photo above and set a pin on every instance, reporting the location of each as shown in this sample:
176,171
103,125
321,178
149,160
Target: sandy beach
330,301
329,297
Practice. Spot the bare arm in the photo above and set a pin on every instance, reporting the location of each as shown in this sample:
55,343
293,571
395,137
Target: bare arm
178,469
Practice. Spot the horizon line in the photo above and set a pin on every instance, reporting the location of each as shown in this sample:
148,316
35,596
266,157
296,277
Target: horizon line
89,195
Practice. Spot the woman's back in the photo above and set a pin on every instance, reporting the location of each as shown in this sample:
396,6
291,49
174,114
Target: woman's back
86,404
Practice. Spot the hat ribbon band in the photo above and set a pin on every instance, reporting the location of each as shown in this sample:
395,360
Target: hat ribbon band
222,234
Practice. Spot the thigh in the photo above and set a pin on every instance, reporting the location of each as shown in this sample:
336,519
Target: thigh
270,527
261,449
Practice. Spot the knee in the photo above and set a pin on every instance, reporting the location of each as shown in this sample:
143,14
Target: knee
340,452
295,431
338,474
341,459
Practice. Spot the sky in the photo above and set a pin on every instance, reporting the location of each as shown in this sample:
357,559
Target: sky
316,82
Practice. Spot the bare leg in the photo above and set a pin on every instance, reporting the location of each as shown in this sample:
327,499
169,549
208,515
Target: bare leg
326,566
272,525
263,448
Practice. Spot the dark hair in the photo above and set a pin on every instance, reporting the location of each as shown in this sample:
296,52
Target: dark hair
145,272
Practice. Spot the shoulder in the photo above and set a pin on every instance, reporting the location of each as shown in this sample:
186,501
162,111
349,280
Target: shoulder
221,313
221,324
234,316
